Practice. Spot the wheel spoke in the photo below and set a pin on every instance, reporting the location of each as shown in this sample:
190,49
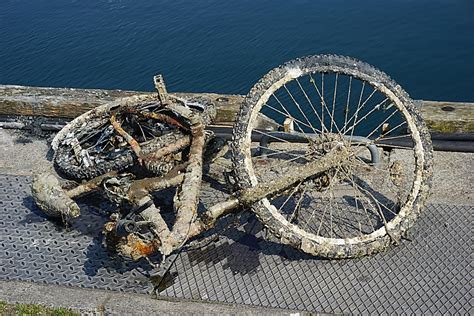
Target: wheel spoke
393,137
92,134
297,206
334,103
141,129
277,152
324,107
357,110
376,107
360,188
310,103
297,122
346,110
366,213
284,162
323,103
381,124
322,97
384,174
348,204
324,212
299,108
289,196
391,130
270,135
330,214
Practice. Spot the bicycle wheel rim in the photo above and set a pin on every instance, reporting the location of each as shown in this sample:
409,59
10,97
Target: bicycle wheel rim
274,80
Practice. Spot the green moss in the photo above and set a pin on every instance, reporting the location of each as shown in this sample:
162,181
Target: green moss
3,307
33,309
450,126
28,309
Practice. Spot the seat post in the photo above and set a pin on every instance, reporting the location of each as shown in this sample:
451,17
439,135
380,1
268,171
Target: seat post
161,89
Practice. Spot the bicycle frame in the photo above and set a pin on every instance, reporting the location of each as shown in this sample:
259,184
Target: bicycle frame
172,143
187,225
187,176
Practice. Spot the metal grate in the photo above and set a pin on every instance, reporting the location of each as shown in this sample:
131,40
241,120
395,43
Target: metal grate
430,274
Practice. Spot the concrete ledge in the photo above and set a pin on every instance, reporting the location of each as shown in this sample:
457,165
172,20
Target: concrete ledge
99,302
443,117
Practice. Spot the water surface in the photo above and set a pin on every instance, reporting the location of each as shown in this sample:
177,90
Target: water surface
225,46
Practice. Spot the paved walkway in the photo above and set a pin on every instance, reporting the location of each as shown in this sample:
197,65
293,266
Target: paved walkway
243,266
99,302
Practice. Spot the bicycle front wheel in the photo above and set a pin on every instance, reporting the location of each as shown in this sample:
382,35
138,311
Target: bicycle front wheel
314,104
89,146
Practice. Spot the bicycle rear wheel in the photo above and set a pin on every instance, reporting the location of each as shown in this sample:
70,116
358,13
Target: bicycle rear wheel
316,103
90,146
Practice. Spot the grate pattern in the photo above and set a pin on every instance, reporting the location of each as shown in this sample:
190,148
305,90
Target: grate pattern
431,274
33,248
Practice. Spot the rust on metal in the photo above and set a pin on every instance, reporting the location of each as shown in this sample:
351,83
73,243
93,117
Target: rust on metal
171,151
130,140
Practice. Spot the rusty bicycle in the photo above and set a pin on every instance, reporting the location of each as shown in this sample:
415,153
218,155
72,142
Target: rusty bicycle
329,152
